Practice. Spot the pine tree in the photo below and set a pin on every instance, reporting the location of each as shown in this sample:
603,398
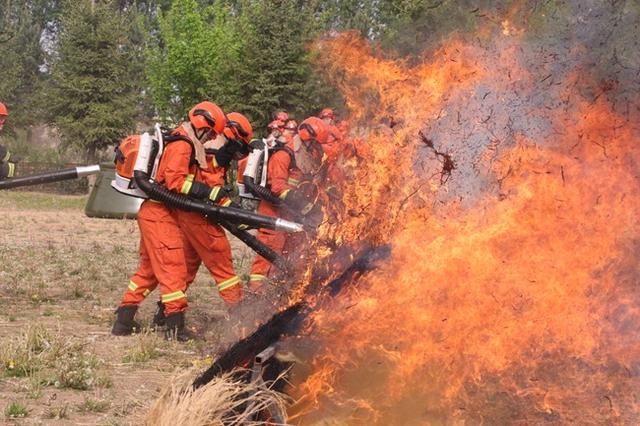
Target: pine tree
276,71
93,93
22,24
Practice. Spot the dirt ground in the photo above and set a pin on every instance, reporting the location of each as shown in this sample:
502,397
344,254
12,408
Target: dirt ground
61,276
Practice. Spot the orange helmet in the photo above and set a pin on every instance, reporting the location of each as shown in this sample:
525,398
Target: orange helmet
207,115
238,127
3,110
275,124
313,128
282,116
327,113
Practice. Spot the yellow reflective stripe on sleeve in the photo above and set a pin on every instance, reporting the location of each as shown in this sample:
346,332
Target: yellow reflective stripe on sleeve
214,163
230,282
293,182
226,202
307,208
214,193
284,194
133,286
257,277
6,157
12,169
171,297
146,293
186,186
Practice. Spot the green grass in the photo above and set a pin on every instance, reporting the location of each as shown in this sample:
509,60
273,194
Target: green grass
145,347
67,364
41,201
15,410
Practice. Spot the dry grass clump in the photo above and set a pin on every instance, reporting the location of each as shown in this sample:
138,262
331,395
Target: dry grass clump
62,363
223,401
29,352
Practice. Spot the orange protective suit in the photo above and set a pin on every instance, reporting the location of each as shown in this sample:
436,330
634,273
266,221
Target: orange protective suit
162,254
282,177
204,241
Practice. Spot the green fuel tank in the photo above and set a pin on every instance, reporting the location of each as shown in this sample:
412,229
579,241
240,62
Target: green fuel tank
106,202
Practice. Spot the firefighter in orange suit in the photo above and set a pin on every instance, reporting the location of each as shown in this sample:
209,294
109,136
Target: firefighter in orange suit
288,171
7,166
162,256
206,241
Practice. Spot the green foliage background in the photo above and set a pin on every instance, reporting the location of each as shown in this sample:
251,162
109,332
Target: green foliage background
97,69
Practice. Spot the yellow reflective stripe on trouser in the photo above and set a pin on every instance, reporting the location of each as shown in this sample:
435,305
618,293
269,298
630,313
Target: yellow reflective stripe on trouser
6,157
228,283
293,182
284,194
186,186
171,297
12,169
133,286
257,277
214,193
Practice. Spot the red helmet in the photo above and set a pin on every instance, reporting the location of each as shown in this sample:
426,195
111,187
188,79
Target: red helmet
238,127
291,125
3,109
207,115
313,128
275,124
282,116
327,113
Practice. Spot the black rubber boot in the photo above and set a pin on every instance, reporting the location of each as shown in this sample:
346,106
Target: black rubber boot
159,320
176,329
125,325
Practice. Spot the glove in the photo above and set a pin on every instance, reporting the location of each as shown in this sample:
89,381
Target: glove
217,193
202,191
298,201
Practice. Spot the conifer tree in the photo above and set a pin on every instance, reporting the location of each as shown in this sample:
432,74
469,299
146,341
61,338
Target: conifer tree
92,93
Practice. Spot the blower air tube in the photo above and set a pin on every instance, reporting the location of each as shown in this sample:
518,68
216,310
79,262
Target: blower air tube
260,248
49,177
159,193
260,191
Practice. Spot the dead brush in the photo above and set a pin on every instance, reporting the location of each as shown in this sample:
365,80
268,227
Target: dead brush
225,400
27,353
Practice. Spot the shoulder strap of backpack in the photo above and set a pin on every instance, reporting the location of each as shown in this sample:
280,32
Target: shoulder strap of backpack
292,156
168,138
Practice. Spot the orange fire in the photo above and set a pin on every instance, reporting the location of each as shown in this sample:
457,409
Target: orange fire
511,293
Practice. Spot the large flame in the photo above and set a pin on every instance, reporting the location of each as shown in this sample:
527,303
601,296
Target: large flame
507,186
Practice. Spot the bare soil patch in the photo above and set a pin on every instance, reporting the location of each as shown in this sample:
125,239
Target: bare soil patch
61,276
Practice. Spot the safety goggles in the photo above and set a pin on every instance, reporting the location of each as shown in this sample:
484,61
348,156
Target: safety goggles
307,130
235,126
207,117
